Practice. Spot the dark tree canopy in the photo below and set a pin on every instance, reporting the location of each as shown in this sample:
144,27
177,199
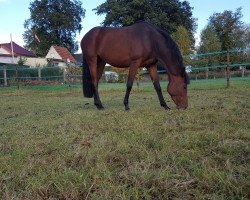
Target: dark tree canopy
168,14
228,27
55,22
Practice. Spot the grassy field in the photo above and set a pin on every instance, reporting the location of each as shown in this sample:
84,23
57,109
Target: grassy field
56,145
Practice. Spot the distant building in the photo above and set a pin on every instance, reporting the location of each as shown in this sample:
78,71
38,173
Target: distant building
78,57
60,56
18,52
111,76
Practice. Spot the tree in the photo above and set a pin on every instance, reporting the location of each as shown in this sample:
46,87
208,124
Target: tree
54,22
209,43
246,39
168,14
228,27
184,41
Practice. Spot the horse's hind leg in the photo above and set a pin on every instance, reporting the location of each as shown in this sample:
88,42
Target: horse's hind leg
96,72
97,101
155,79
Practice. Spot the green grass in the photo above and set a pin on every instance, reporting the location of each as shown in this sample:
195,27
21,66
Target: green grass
56,145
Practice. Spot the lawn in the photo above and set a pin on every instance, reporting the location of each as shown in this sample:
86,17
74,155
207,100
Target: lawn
56,145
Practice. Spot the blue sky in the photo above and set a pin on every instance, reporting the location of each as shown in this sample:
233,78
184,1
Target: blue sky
14,12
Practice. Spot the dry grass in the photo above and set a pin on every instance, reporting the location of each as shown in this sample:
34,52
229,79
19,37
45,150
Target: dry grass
56,145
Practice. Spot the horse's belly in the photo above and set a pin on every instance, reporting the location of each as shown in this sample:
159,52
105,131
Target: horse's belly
116,58
118,63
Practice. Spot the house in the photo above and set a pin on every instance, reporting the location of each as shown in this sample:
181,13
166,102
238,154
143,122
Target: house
18,52
60,56
78,57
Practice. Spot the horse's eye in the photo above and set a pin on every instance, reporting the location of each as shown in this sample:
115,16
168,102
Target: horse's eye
185,87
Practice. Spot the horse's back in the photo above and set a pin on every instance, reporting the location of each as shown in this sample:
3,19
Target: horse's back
119,46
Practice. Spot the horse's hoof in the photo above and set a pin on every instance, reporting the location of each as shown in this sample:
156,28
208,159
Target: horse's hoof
100,107
127,108
165,107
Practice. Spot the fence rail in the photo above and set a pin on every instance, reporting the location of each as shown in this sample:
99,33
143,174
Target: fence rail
217,52
17,74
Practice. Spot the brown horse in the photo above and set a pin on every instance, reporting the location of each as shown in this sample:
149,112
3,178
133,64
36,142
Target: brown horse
139,45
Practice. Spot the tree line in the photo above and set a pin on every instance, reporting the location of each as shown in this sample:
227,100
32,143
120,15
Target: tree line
56,22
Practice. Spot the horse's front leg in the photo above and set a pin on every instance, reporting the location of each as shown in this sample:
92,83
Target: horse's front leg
155,79
131,76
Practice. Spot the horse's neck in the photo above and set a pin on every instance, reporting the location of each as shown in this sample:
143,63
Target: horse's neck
169,56
172,66
175,78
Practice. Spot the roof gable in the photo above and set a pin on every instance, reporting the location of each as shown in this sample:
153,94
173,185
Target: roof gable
3,50
17,50
78,57
53,54
61,53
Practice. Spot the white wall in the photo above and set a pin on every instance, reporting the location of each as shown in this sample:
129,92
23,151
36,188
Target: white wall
3,51
53,54
8,59
36,62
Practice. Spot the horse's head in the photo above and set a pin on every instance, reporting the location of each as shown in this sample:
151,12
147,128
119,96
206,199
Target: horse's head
177,88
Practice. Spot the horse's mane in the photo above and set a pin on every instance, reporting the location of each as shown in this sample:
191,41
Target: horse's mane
171,44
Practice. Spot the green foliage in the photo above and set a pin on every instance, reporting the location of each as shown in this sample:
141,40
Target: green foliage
55,22
48,72
169,15
228,27
74,70
246,40
247,35
184,40
26,75
209,43
21,61
20,72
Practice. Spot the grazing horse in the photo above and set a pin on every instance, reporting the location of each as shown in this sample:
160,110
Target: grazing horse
139,45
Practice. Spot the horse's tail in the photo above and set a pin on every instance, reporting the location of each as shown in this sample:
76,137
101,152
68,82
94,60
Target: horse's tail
88,87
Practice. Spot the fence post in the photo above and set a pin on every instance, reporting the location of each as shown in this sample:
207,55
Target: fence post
243,71
39,73
228,70
207,70
5,76
17,79
64,76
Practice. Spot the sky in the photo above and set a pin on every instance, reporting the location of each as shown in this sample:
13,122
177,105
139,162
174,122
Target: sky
13,13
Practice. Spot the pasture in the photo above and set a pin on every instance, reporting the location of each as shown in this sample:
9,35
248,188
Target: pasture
56,145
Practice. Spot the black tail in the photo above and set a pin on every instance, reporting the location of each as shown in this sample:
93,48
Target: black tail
88,88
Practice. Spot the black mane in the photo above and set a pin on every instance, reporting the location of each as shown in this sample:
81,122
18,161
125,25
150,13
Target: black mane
170,43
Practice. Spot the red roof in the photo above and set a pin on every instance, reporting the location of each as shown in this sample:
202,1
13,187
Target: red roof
65,54
17,50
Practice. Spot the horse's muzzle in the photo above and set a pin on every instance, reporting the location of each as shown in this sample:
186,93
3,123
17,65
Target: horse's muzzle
183,107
